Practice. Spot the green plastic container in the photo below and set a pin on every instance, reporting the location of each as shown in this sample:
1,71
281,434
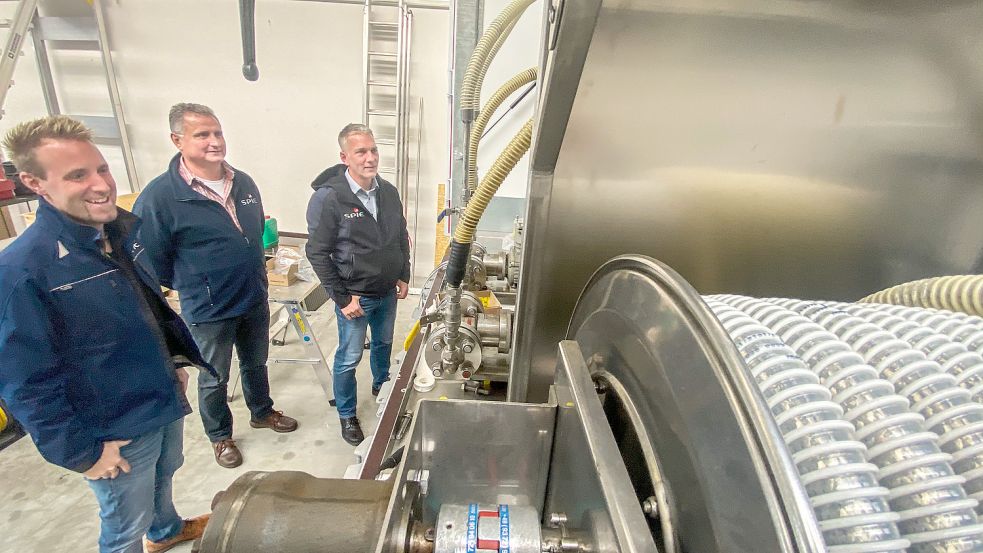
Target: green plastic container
271,237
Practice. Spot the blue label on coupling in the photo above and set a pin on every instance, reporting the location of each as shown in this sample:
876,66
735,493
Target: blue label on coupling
472,545
503,529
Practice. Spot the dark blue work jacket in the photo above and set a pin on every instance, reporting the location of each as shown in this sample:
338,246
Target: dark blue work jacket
196,249
83,359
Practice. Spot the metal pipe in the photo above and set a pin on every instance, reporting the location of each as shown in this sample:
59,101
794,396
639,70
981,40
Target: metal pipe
452,354
298,513
247,26
366,16
390,3
416,194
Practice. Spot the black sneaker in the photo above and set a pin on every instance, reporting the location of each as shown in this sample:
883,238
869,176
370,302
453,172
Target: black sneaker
351,431
375,389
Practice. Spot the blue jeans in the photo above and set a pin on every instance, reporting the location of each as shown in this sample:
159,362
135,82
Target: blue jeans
139,502
380,314
250,334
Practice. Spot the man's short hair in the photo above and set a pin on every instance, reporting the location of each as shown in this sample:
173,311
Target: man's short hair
24,139
175,117
350,129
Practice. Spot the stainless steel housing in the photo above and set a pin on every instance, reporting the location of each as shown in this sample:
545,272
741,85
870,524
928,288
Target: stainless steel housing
796,149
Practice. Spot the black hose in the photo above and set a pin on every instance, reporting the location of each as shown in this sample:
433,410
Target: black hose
393,459
247,24
457,263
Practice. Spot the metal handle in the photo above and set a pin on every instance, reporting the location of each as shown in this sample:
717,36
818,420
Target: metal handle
247,24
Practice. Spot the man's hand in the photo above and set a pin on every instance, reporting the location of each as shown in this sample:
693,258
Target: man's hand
110,463
353,310
183,376
402,290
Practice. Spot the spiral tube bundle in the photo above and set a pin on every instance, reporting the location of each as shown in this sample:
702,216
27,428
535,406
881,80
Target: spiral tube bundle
850,505
935,513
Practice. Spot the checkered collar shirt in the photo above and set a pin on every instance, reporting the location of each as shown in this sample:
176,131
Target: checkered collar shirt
225,199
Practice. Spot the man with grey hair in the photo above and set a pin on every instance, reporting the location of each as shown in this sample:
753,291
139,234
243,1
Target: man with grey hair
203,232
360,250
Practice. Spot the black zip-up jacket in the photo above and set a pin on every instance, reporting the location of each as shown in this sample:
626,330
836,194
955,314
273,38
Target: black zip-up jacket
352,252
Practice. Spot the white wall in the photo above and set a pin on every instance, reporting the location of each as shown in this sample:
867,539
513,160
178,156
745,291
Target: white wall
281,129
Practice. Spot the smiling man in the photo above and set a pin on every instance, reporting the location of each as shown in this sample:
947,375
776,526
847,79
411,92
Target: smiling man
203,231
91,357
360,250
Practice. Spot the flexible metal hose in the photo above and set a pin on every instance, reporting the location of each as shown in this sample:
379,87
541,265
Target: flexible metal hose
956,293
948,409
482,56
909,461
464,233
478,128
850,505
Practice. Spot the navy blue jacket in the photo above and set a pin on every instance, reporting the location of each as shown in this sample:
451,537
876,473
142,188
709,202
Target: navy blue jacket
196,249
352,252
82,358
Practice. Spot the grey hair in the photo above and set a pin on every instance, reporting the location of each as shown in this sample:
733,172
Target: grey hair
176,116
350,129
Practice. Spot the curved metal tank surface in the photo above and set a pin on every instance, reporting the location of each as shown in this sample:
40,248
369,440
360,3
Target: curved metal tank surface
801,149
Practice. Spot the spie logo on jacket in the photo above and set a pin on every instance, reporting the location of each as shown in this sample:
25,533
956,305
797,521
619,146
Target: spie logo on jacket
249,200
356,213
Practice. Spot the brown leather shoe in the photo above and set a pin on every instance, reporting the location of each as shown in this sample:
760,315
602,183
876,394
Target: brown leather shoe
193,529
276,421
227,454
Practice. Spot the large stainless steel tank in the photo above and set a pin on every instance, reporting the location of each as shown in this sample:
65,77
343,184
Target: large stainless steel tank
799,148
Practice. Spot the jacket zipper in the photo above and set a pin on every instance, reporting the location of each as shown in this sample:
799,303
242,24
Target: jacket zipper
152,323
208,288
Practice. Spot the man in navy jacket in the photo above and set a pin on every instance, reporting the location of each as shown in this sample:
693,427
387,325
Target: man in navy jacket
360,250
203,231
91,357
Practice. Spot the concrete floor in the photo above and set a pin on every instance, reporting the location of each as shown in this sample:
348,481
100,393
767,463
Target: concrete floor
46,508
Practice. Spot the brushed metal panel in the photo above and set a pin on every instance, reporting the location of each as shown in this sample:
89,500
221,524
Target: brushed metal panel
806,149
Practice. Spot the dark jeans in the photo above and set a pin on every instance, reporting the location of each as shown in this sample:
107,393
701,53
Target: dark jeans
250,333
380,314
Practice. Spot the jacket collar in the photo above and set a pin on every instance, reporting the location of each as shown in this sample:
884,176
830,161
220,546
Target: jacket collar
183,191
57,222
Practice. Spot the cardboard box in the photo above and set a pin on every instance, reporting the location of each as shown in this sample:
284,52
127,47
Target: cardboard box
126,201
280,279
489,301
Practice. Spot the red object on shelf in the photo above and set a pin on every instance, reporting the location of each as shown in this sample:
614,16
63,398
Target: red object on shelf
6,189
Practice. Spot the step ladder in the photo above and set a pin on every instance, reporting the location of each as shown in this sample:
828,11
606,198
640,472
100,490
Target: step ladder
77,33
386,38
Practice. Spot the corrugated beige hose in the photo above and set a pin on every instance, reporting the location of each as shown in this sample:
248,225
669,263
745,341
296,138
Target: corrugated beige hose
483,54
963,293
478,129
464,233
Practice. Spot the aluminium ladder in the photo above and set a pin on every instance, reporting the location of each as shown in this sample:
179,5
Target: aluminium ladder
386,37
86,33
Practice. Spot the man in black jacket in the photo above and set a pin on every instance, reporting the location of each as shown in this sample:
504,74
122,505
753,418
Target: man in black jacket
360,250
